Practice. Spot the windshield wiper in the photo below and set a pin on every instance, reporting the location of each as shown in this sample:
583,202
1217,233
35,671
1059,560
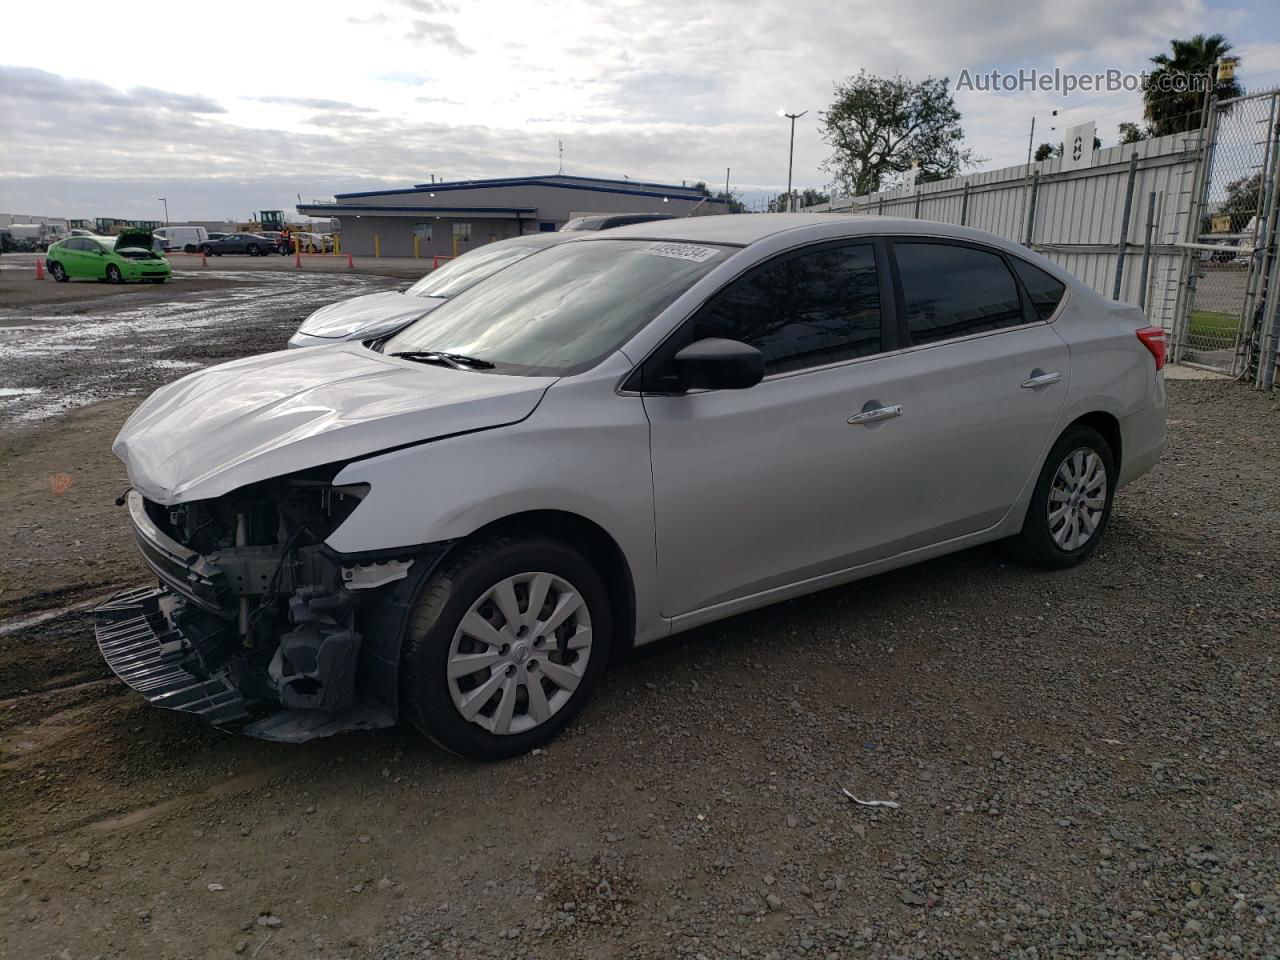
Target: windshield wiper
456,360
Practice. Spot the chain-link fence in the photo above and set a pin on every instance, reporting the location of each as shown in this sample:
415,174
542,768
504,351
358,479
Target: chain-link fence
1230,257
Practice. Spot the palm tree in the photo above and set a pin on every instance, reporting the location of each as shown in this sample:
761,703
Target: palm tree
1173,99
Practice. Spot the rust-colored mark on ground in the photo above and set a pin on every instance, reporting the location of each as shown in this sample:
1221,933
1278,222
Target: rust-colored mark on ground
60,483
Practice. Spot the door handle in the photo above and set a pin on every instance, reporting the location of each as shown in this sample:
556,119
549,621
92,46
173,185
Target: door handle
876,414
1041,379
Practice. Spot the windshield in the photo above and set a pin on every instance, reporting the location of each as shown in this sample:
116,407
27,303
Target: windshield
470,268
565,310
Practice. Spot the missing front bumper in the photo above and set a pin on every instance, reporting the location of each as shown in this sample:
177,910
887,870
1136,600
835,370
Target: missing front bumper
144,647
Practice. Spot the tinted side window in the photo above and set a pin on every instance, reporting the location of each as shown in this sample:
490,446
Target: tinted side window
953,291
802,311
1045,291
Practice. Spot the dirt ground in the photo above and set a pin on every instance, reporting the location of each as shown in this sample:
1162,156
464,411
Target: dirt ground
1087,763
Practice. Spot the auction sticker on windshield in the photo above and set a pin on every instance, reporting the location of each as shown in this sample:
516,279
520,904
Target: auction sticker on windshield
682,251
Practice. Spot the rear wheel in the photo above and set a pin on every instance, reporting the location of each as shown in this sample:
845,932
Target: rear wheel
59,272
113,274
189,248
206,249
1071,503
504,646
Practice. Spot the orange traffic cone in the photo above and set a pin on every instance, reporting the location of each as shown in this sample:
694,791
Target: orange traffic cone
351,264
297,256
204,260
39,269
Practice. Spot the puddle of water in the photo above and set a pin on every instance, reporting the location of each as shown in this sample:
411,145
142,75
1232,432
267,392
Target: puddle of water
80,358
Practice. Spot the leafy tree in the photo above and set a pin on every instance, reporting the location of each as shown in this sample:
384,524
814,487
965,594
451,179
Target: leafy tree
1177,109
879,127
799,200
1047,150
735,202
1133,132
1243,198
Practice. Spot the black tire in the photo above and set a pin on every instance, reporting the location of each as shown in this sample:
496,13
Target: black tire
189,248
206,249
252,250
1036,543
113,274
58,272
447,596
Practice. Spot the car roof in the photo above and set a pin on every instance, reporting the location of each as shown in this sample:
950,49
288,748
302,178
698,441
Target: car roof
742,229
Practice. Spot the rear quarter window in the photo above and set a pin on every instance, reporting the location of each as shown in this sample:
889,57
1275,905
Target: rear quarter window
1045,291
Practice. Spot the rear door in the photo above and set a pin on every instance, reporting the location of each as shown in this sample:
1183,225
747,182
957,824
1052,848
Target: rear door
982,381
82,259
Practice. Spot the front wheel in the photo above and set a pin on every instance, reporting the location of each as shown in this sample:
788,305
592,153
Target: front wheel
113,274
59,272
1071,503
505,643
253,250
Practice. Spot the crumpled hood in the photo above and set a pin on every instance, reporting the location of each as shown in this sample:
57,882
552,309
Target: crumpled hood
272,415
372,313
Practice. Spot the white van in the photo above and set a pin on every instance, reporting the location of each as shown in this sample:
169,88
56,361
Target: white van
186,239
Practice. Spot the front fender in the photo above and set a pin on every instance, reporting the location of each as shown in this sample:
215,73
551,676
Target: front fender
584,451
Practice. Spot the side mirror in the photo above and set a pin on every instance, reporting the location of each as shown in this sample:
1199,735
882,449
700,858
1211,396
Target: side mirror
715,364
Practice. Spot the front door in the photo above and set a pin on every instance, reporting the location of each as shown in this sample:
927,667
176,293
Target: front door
757,488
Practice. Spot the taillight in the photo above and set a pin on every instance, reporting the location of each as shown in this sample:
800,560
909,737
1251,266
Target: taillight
1154,339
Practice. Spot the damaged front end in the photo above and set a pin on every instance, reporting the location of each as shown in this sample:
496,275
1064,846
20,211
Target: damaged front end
256,622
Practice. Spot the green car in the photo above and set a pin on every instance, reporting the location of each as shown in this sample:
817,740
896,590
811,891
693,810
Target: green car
126,257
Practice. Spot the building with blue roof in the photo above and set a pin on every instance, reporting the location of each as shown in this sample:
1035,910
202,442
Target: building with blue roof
450,218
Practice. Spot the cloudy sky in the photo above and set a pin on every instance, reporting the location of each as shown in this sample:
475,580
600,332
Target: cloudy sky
237,106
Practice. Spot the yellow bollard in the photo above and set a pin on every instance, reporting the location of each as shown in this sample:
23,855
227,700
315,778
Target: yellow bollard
337,244
415,246
377,245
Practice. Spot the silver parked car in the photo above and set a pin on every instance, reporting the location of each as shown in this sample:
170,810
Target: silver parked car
615,440
378,314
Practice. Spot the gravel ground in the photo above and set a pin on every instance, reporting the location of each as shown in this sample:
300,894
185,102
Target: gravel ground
1086,765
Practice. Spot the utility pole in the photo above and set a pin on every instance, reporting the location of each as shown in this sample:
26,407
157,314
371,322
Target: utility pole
561,170
793,117
728,203
165,201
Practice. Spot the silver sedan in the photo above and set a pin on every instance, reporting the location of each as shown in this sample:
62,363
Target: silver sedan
618,439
